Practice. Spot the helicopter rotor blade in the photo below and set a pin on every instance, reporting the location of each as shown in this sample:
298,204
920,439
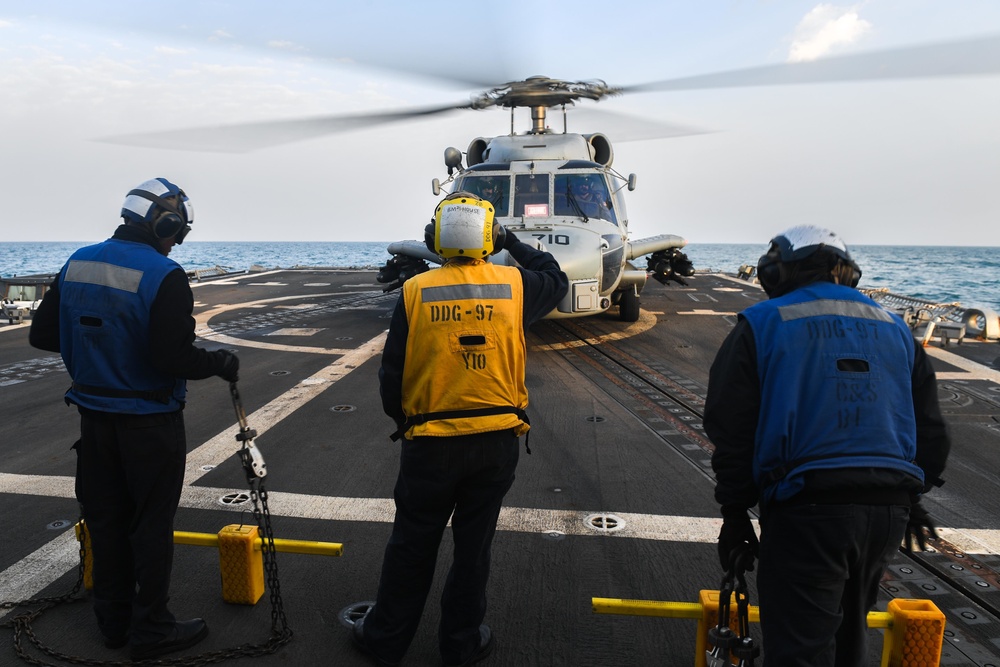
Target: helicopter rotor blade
980,56
626,127
245,137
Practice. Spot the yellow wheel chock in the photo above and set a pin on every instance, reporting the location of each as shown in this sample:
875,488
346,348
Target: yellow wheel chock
913,637
241,560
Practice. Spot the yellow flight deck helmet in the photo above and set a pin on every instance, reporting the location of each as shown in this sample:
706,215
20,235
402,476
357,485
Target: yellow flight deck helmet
463,227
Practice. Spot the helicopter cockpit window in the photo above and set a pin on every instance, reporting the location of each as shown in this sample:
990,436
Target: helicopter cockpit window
531,195
494,189
583,196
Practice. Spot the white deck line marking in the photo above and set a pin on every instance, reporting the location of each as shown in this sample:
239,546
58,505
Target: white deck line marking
973,370
30,575
37,570
224,445
697,311
14,327
659,527
203,330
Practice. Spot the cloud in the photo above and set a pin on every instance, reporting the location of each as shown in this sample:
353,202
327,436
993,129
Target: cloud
284,45
5,24
170,51
219,35
825,28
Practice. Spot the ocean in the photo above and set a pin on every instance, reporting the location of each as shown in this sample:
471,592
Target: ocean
943,274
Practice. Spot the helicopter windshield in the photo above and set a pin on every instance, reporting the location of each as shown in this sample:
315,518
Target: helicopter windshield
531,195
494,189
584,196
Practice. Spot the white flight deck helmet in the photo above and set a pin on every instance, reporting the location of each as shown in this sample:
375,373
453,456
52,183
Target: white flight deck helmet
464,227
805,242
162,207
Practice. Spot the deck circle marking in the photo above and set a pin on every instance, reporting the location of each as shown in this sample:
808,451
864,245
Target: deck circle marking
646,322
554,535
278,373
207,468
605,523
234,498
58,524
597,419
343,408
352,612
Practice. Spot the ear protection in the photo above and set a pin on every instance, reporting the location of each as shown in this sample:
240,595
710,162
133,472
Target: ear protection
771,272
855,273
167,224
172,219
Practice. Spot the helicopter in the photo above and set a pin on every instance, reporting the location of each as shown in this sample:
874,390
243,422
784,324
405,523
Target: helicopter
559,190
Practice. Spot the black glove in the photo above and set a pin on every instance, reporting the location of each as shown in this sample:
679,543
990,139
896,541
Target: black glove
229,365
510,239
501,239
737,534
429,237
919,527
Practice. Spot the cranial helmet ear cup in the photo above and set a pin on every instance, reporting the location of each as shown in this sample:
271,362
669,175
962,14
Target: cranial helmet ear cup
770,270
429,237
855,274
167,225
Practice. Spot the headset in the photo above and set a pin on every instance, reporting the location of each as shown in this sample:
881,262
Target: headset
172,219
799,244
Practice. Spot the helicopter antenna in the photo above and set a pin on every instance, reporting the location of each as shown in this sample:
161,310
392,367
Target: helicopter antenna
565,126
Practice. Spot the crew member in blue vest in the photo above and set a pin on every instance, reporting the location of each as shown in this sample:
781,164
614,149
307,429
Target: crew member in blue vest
824,413
452,379
120,313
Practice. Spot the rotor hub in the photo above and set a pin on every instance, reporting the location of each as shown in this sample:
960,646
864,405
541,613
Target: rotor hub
541,91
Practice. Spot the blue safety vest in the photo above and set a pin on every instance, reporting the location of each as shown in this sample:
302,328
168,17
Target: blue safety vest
105,295
836,392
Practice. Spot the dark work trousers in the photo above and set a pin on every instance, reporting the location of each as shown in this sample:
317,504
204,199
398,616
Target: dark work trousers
130,469
467,475
818,577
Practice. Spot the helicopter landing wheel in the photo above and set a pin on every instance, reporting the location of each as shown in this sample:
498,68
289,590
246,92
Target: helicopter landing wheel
628,306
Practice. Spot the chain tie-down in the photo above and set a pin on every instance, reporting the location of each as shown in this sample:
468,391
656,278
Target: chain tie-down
255,469
726,643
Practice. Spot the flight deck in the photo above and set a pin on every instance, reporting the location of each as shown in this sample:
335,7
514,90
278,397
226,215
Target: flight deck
615,499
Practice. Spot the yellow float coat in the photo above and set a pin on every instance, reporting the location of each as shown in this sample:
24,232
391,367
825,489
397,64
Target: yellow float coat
465,349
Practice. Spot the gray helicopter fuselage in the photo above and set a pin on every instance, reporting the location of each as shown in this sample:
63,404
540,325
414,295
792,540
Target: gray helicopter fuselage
558,191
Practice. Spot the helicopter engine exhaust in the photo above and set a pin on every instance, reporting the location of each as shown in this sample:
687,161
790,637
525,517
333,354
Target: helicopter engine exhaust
600,146
478,151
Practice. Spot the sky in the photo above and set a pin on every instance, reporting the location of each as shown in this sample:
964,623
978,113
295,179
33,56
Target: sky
911,162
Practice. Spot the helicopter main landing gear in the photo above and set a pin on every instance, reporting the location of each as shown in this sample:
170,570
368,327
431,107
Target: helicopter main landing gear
628,305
